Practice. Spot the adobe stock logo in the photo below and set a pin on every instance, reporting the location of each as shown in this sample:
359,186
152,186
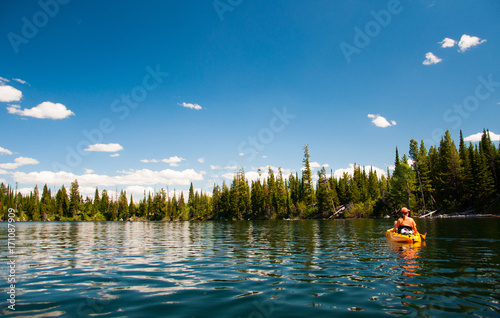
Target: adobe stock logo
223,6
363,38
30,27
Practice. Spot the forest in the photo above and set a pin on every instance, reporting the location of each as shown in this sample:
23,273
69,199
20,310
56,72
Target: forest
441,178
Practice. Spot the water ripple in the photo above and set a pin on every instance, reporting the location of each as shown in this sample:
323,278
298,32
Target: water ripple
251,269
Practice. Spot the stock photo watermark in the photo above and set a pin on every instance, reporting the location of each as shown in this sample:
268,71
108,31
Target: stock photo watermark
266,135
363,37
223,6
11,263
456,114
121,106
30,27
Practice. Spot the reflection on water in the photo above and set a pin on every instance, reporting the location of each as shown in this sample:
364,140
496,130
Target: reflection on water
409,256
253,269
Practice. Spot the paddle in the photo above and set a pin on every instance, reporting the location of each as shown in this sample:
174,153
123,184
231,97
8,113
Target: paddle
423,235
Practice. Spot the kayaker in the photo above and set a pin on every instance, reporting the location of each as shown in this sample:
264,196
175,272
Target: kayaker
405,225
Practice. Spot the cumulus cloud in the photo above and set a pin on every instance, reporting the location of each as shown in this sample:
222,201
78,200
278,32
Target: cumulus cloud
45,110
314,165
201,160
467,41
431,59
9,93
132,177
87,171
477,137
223,168
191,106
104,147
447,42
18,162
172,161
380,121
4,151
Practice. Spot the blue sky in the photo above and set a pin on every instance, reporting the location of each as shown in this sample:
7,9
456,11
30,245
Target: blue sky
139,95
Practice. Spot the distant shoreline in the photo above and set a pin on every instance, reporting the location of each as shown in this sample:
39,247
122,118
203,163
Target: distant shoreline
451,216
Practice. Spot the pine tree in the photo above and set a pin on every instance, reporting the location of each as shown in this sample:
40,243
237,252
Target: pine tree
325,205
449,174
132,209
307,184
74,199
402,186
46,206
123,213
62,203
397,160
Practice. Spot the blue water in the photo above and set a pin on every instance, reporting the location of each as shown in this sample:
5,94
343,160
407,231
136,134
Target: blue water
252,269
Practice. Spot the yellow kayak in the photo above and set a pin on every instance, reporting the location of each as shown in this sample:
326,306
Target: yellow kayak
396,237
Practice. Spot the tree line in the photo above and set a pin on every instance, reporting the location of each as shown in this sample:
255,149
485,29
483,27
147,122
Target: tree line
444,178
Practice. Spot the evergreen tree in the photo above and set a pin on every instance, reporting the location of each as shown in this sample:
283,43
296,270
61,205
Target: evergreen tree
132,209
325,205
62,203
307,184
74,199
46,206
123,213
449,174
402,192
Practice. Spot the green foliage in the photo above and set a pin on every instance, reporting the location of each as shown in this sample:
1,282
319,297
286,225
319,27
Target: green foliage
443,177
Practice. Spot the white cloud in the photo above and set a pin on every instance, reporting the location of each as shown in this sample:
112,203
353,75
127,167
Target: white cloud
3,80
467,41
223,168
380,121
431,59
241,154
173,161
477,137
132,177
314,165
192,106
115,155
28,191
18,162
9,93
4,151
3,171
105,147
45,110
350,171
138,192
88,171
149,161
201,160
20,81
447,42
264,157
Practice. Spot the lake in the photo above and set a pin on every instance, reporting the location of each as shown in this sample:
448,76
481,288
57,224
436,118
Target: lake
252,269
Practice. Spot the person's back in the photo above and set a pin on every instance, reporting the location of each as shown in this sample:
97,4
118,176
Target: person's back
406,224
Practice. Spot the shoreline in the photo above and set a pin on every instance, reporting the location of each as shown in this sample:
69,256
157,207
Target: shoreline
442,216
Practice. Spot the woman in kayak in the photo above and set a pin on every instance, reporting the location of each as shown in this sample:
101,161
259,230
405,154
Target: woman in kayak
405,225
